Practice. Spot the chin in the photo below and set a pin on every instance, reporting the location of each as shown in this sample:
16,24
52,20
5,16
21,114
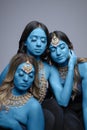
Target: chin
61,62
23,89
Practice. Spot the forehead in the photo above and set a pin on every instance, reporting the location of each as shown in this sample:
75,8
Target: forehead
26,67
38,32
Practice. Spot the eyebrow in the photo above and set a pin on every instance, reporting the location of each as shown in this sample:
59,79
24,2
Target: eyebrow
39,36
32,71
51,46
25,72
62,43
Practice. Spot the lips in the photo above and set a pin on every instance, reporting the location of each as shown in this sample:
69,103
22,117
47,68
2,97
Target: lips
60,58
38,50
24,85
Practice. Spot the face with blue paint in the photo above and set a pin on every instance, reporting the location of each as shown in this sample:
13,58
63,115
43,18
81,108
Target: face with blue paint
60,52
24,76
36,42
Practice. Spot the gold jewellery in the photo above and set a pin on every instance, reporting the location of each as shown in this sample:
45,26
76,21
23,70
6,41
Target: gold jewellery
16,101
28,67
42,82
63,72
55,40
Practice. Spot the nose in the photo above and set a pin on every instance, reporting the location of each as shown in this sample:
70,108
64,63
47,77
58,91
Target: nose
38,43
58,51
26,78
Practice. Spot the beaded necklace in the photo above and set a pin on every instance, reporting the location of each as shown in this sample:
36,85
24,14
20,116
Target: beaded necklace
63,72
15,101
42,82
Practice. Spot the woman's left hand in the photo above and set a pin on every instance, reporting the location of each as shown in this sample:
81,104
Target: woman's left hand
72,60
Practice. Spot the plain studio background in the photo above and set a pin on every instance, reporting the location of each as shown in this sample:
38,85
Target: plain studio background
69,16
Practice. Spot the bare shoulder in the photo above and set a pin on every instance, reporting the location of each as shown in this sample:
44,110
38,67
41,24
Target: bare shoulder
46,69
82,66
46,64
34,102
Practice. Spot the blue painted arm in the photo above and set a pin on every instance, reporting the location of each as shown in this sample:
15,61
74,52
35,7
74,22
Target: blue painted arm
63,93
83,73
3,74
35,117
7,121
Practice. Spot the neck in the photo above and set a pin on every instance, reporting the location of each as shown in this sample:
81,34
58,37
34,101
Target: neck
36,57
18,92
63,64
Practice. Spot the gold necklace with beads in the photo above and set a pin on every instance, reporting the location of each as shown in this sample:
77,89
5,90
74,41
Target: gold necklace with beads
63,72
16,101
42,82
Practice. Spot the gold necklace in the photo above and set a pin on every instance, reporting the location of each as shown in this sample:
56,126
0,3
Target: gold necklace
63,71
16,101
42,82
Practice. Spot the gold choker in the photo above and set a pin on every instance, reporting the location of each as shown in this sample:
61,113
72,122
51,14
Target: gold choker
16,101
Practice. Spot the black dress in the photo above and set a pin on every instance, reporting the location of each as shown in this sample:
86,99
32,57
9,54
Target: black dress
66,118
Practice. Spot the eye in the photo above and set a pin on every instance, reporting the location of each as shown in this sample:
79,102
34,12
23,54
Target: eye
31,75
43,40
34,39
52,49
62,46
21,73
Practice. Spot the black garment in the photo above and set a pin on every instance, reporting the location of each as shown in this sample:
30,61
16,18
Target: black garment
73,116
1,128
56,110
71,121
49,119
66,118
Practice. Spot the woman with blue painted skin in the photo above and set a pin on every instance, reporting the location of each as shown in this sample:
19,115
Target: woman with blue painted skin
74,113
18,107
35,41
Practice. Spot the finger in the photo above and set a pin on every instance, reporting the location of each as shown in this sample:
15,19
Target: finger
70,53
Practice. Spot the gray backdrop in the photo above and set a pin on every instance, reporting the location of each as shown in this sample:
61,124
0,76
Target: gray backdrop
69,16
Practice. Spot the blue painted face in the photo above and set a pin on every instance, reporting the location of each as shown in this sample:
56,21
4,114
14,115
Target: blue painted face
59,53
24,76
36,42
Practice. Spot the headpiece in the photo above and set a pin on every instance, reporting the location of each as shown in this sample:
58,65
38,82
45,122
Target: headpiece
28,67
55,40
39,25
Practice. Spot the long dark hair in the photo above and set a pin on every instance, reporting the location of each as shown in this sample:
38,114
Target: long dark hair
16,60
28,29
62,36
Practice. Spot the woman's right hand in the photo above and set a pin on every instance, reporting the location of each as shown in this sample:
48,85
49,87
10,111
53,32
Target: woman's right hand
8,121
